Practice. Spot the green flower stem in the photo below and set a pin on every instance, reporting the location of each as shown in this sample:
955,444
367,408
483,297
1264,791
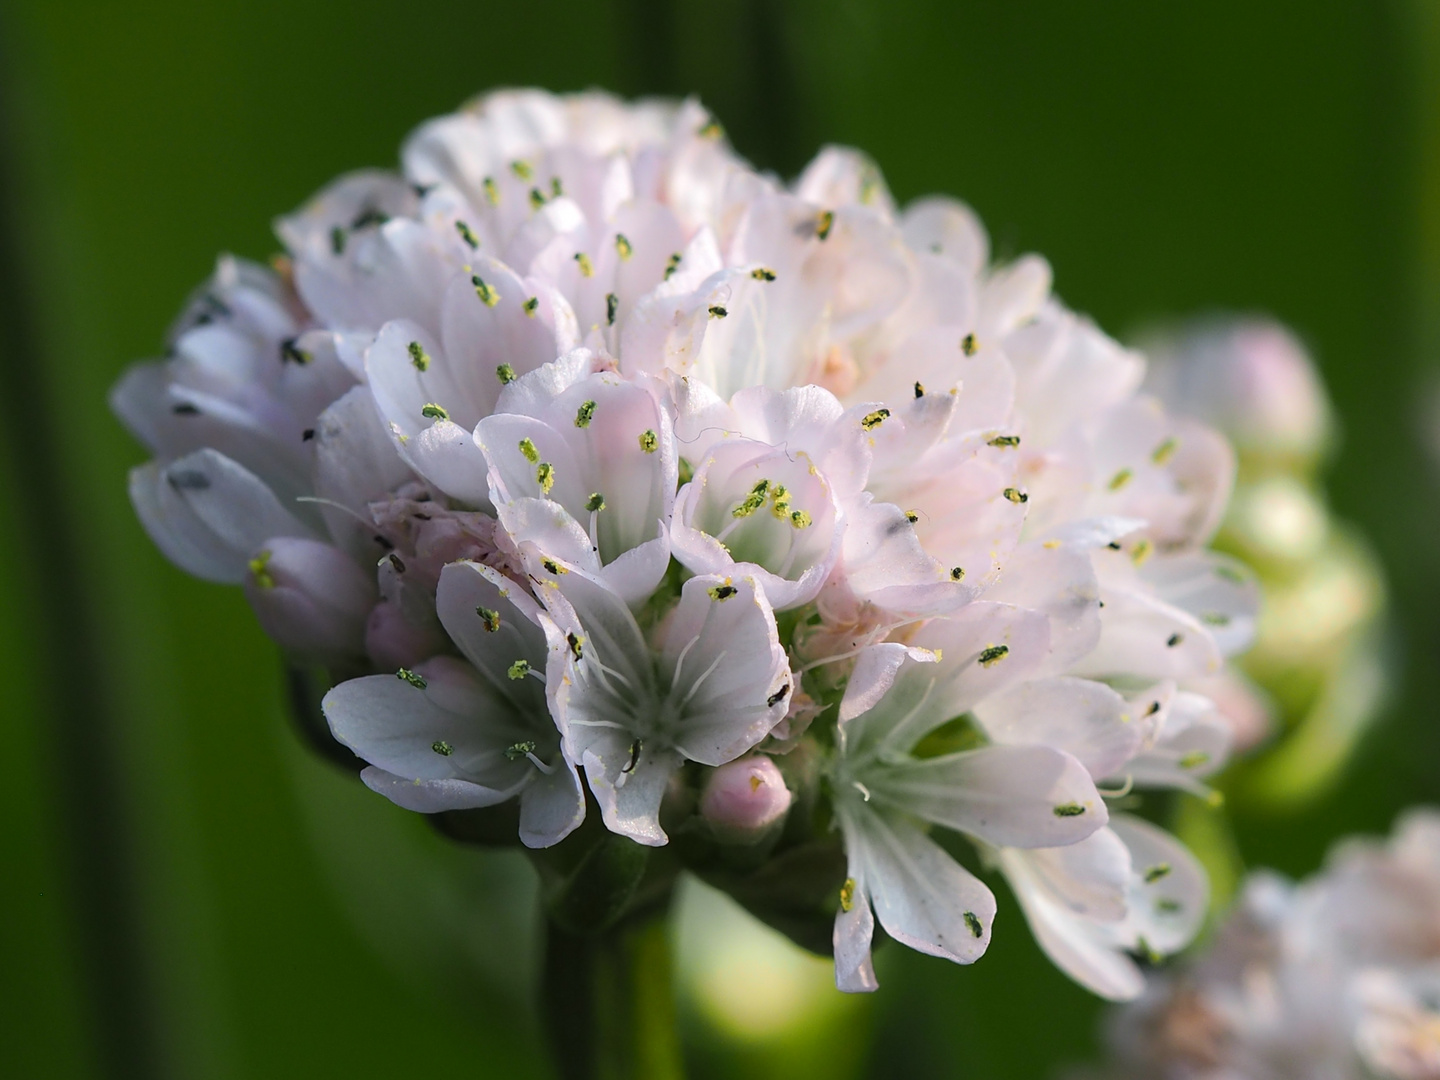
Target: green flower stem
608,1002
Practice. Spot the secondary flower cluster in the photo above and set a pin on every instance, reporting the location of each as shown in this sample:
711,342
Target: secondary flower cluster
1335,978
771,514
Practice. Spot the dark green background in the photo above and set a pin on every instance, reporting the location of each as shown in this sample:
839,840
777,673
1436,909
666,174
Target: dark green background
162,912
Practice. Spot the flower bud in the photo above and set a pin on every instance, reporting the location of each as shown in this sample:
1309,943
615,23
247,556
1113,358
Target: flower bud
743,798
1249,377
394,641
311,598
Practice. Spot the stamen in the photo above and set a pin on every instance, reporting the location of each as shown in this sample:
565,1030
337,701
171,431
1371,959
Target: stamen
418,357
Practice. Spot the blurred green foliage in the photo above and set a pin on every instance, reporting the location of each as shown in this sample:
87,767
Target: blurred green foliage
165,912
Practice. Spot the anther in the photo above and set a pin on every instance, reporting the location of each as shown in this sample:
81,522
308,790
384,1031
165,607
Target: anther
406,675
418,356
1173,640
290,353
612,305
777,697
587,269
722,592
337,240
522,169
467,234
259,572
957,573
527,448
847,894
973,922
870,421
763,273
595,503
672,264
519,669
717,312
824,224
531,306
506,374
484,291
576,643
623,246
441,747
919,390
993,655
1015,495
492,193
515,751
1069,809
968,345
1120,479
431,411
545,476
1005,441
1156,872
649,441
1165,451
489,618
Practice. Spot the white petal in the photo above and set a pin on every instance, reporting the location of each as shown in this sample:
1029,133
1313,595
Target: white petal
922,897
735,679
209,514
430,796
1081,717
1012,796
629,785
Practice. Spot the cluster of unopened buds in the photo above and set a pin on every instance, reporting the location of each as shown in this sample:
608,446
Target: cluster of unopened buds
1334,978
771,524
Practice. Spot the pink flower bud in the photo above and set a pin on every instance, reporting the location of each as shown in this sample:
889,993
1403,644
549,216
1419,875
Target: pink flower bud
311,598
394,641
744,798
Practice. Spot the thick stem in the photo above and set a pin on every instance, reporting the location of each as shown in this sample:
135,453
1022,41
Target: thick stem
608,1003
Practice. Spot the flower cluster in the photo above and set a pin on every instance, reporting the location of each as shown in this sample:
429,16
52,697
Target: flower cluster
1337,977
608,475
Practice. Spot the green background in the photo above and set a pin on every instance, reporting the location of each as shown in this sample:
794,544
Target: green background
163,910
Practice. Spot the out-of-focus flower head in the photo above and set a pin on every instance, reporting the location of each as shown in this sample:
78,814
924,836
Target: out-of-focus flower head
629,492
1331,979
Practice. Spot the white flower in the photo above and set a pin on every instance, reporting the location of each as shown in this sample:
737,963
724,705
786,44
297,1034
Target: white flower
714,684
882,778
603,453
447,735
